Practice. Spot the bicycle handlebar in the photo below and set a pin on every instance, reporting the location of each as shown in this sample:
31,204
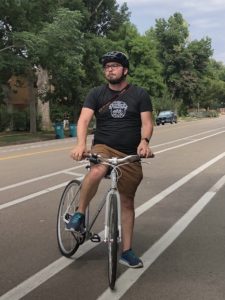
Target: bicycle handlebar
97,158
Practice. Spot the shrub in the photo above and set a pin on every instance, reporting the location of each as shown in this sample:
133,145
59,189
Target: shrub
20,121
5,118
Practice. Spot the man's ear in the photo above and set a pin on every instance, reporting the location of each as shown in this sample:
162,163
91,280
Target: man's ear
125,71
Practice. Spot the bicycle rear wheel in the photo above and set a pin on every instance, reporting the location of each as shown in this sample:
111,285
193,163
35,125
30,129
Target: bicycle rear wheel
68,241
112,240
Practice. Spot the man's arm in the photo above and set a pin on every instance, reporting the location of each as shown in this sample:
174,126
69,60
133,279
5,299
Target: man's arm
147,125
146,133
82,128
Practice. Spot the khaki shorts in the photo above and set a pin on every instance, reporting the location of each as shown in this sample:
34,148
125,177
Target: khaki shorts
131,173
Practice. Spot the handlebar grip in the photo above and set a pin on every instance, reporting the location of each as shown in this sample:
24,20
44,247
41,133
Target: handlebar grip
149,156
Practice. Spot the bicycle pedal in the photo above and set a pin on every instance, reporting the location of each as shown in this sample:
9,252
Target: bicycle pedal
95,238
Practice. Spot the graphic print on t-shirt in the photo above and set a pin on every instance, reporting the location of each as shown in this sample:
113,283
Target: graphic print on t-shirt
118,109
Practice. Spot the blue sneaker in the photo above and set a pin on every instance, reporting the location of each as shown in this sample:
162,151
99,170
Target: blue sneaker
129,259
76,223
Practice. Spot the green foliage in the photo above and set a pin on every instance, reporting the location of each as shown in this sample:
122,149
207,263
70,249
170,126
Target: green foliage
146,70
105,16
166,102
67,38
4,118
204,114
58,111
185,63
16,120
212,93
20,121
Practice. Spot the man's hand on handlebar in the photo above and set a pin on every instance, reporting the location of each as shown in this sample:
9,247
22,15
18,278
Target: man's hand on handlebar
150,155
144,151
77,152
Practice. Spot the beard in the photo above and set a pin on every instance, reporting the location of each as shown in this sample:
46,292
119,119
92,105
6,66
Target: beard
117,80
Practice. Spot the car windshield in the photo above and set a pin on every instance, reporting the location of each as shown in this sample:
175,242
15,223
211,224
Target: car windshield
164,113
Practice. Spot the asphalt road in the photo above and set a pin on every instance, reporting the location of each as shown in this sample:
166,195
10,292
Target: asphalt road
179,231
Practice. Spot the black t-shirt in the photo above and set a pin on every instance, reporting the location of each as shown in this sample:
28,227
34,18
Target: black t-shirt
119,125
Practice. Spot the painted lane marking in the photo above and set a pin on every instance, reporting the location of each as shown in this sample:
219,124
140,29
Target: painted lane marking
67,148
34,153
71,173
178,183
40,178
147,205
185,138
43,275
56,173
38,152
14,148
37,194
190,142
129,277
31,196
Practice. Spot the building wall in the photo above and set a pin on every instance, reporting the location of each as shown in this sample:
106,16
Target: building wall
17,96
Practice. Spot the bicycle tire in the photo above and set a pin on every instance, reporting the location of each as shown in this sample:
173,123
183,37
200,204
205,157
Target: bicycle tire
112,240
68,242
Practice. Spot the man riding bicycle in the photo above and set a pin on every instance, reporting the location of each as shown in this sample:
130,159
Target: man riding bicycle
124,126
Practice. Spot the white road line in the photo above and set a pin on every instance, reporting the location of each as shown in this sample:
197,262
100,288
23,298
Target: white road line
186,138
37,194
42,276
64,171
155,199
147,205
37,279
39,178
31,196
34,145
128,278
190,142
72,173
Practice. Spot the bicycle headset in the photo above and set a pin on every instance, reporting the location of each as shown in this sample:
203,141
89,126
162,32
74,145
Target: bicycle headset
115,56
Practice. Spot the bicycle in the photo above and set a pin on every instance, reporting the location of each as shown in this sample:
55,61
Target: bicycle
68,241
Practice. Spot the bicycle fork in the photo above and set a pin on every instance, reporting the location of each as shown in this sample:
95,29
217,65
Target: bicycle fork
113,192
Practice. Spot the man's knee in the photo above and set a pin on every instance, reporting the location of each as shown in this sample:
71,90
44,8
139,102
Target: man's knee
97,172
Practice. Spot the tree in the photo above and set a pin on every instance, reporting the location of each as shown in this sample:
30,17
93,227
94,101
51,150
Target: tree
61,52
105,16
184,62
146,70
213,86
17,20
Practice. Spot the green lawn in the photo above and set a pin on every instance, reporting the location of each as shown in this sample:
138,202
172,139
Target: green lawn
13,138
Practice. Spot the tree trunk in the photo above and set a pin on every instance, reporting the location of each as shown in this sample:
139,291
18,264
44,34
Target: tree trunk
33,108
43,86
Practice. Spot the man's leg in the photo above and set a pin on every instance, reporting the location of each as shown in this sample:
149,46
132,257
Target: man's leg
128,257
90,186
88,190
127,220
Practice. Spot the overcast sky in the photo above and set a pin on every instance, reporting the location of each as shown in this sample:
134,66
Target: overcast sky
205,18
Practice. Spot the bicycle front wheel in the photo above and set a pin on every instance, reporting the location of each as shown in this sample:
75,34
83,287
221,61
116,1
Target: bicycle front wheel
112,240
68,242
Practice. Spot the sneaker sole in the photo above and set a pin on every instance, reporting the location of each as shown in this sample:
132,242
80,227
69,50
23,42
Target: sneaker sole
125,263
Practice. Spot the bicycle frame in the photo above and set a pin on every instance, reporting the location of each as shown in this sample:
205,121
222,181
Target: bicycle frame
68,241
105,201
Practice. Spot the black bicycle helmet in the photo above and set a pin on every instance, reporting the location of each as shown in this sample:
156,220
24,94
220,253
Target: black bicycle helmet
116,56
